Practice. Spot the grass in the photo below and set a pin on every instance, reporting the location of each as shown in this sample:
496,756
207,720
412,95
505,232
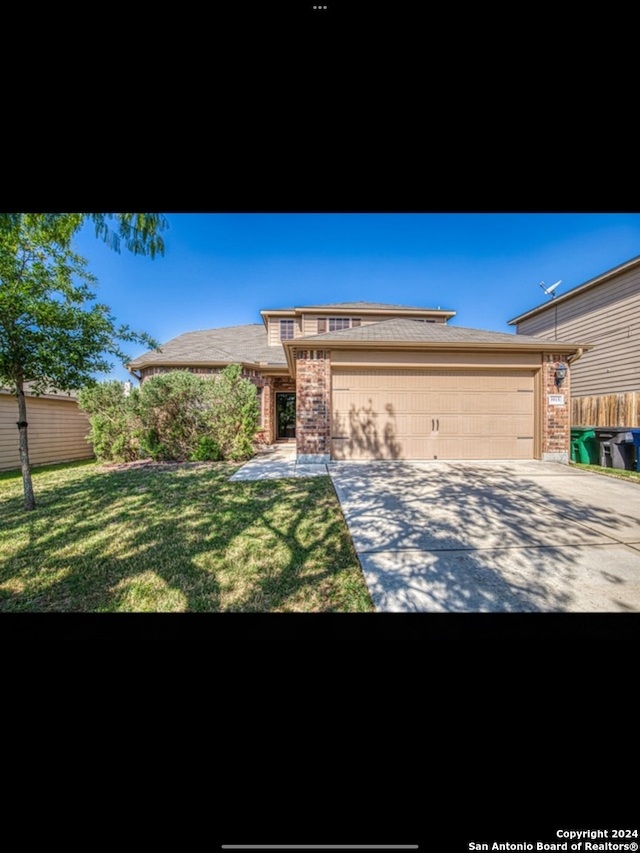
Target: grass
618,473
175,539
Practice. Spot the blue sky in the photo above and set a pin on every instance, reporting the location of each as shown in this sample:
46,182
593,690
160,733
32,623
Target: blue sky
221,269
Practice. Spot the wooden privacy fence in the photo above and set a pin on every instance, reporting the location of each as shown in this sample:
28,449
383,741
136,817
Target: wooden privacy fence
609,410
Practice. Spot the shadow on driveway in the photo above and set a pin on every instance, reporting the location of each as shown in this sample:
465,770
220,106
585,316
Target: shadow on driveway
492,536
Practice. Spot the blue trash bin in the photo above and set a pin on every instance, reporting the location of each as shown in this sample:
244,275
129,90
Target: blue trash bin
635,438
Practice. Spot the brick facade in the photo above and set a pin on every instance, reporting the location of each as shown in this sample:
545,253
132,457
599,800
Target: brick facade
313,405
556,422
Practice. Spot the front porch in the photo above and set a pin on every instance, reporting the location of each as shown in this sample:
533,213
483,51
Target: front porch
277,400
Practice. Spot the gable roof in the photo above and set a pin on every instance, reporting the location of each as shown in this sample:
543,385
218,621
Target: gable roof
593,282
360,307
228,345
402,330
401,333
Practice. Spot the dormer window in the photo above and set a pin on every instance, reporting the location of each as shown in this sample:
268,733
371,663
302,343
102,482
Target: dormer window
286,330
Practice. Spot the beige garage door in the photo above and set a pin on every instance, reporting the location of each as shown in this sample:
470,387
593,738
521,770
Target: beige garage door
432,414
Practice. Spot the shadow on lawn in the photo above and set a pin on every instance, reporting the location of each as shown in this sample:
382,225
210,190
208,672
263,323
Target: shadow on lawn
182,540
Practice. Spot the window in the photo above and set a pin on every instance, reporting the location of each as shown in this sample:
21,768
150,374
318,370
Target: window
337,323
286,330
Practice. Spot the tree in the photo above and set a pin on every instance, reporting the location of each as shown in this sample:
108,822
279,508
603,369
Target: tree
52,333
140,232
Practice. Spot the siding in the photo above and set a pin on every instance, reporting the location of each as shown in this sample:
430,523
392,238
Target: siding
273,334
407,358
607,316
307,324
57,429
310,321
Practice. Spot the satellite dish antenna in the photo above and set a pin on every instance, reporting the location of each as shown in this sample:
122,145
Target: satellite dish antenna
549,290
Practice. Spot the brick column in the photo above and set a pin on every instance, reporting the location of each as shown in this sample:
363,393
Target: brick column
265,434
313,406
556,422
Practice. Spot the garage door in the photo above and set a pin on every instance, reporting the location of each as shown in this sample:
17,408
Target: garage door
427,414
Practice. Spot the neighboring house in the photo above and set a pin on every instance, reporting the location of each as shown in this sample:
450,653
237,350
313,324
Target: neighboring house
367,380
604,312
56,432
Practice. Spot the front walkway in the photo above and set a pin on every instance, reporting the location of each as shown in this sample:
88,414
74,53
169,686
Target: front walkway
276,461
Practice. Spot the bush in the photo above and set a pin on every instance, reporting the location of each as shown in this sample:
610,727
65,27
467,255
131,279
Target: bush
174,413
175,416
189,417
235,413
208,450
115,429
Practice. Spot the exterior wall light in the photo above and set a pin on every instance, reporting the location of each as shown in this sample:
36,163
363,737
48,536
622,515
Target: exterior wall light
561,374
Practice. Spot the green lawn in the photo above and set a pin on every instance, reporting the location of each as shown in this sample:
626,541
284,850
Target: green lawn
620,474
174,539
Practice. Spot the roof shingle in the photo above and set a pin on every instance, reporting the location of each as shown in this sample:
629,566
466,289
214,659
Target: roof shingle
226,345
415,330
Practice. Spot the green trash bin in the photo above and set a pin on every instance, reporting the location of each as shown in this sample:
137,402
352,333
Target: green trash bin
584,446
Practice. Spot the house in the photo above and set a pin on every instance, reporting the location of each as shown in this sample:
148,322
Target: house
368,380
56,433
604,312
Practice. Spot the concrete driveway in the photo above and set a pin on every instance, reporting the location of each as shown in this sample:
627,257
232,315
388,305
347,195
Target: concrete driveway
492,536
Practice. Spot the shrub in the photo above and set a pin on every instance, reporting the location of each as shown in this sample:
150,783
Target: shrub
115,432
190,417
235,413
208,450
150,445
174,416
175,412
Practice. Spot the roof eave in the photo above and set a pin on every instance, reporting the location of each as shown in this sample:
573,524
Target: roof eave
324,309
404,312
593,282
539,345
184,365
284,312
